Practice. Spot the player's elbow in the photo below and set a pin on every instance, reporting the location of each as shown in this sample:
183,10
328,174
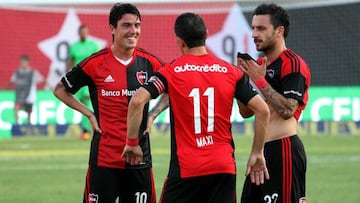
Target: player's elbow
246,113
140,98
286,114
263,112
57,92
136,101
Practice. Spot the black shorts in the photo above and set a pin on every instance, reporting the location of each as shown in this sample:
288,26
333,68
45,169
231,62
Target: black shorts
25,106
105,185
286,163
218,188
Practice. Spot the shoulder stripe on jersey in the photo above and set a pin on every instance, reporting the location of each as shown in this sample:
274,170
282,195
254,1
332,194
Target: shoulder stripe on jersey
295,62
94,55
159,86
150,54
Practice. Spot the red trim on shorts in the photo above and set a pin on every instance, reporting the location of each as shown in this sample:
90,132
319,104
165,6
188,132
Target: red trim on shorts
87,186
153,192
163,190
287,169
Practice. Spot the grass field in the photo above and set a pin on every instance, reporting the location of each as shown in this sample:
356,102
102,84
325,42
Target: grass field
52,170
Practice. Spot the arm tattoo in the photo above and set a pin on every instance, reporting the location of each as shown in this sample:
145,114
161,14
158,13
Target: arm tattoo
285,107
161,105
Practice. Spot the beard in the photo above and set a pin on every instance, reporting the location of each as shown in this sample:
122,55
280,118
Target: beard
264,47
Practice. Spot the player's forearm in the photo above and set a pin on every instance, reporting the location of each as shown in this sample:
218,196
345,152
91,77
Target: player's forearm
68,99
134,120
160,106
283,106
135,112
261,124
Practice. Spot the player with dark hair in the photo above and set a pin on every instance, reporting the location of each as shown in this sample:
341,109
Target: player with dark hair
283,79
201,90
113,74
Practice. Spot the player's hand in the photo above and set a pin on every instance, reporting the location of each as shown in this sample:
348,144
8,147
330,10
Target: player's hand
256,168
132,154
94,123
150,122
252,68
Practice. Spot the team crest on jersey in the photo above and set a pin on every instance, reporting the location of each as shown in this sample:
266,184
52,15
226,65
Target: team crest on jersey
302,200
93,198
270,73
142,77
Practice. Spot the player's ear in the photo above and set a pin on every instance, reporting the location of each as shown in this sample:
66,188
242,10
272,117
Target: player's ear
180,42
280,30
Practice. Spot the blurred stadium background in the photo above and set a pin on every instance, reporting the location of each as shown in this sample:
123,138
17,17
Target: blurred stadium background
324,32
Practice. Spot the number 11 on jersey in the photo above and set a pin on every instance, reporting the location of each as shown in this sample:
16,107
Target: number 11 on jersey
195,94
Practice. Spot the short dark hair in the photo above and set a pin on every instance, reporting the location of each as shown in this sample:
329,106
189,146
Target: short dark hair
279,16
24,57
191,28
82,26
119,9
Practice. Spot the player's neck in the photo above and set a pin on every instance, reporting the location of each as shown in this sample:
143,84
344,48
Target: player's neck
196,50
274,53
123,54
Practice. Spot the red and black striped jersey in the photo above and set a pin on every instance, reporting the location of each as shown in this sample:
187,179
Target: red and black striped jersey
290,76
201,93
111,85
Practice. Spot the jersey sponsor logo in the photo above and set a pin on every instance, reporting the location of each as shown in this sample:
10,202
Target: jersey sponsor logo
109,78
205,68
142,77
110,93
204,141
117,93
126,92
93,198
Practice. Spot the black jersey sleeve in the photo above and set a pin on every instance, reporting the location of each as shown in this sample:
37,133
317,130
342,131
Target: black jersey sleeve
156,85
75,79
293,86
244,91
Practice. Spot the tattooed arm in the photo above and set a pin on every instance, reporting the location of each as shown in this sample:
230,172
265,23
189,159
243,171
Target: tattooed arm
159,107
285,107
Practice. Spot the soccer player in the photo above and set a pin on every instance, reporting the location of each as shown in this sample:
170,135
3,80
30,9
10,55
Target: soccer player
112,75
201,90
78,51
284,79
25,79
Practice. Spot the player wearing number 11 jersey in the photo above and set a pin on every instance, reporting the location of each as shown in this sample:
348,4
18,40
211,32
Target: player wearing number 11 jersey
201,90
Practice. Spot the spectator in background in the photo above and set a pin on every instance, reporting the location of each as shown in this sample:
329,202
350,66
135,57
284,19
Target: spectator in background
78,51
283,79
25,79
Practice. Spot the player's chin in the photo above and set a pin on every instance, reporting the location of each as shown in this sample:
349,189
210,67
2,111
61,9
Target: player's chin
131,45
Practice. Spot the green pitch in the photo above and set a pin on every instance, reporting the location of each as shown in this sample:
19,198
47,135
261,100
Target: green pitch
52,170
